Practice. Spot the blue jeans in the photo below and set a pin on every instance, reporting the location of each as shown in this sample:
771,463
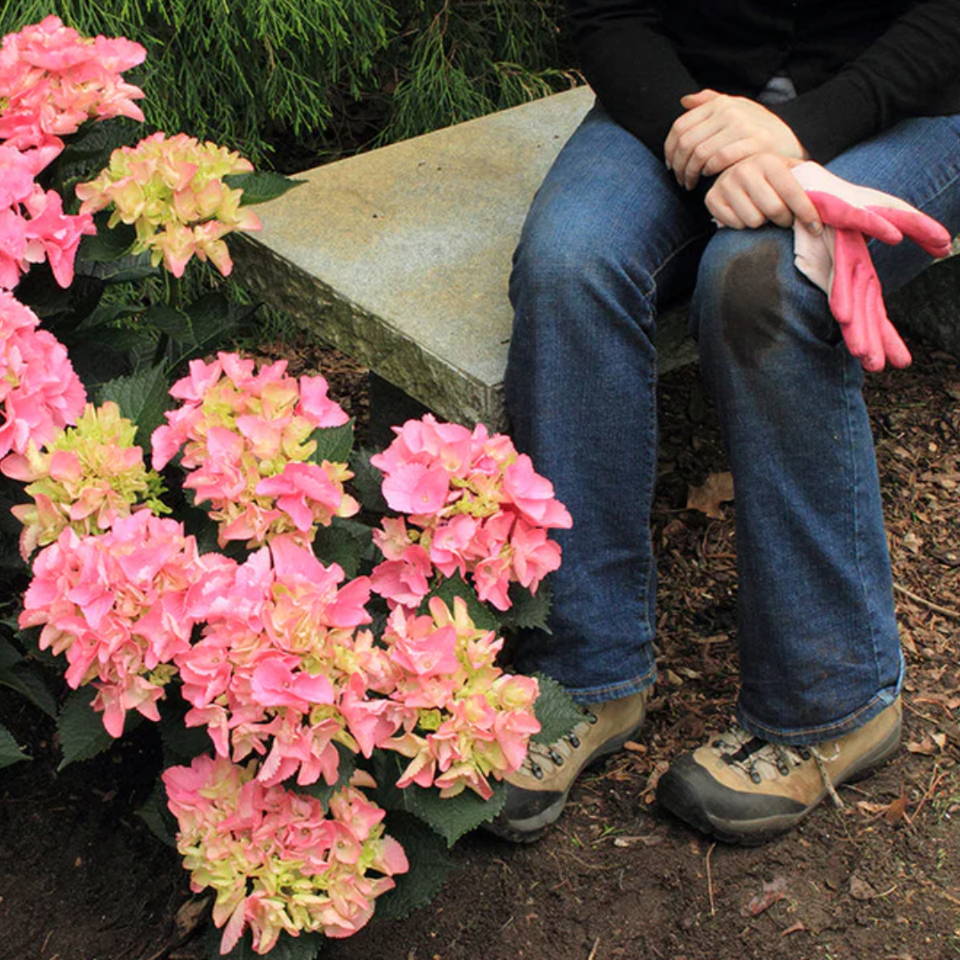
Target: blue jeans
609,239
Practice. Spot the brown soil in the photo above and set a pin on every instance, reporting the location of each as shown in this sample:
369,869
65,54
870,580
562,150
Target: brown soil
82,879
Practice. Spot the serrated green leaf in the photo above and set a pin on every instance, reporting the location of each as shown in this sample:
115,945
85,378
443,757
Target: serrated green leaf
27,680
10,751
555,709
367,481
430,865
109,243
346,542
452,587
260,186
333,443
155,813
452,817
130,267
321,790
142,397
528,611
9,654
80,729
174,323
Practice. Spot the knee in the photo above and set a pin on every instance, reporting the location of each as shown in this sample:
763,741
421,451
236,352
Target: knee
751,305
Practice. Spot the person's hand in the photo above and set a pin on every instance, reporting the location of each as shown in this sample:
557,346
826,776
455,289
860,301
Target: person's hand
761,189
838,261
719,130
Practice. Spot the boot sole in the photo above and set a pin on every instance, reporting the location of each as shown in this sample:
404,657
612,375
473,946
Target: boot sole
533,828
751,833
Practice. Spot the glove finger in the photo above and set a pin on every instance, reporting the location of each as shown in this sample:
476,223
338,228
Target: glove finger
923,230
848,248
894,349
871,309
836,212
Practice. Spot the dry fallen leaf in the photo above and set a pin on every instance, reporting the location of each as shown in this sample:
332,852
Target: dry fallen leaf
770,893
189,915
717,489
926,746
896,809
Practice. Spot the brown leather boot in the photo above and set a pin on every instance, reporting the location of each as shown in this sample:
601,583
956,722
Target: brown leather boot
537,792
742,789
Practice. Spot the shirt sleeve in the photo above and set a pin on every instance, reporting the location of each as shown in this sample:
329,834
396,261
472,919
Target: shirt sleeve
906,72
631,64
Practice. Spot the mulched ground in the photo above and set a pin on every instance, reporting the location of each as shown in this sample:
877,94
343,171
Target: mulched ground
82,879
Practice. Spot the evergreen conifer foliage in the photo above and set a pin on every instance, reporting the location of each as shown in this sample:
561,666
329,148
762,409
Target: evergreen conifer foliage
325,76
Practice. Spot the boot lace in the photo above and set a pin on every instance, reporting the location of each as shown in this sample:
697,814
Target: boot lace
542,758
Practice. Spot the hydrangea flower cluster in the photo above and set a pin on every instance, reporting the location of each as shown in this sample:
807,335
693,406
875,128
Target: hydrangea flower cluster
275,859
52,80
246,442
280,667
39,391
477,507
84,478
464,719
171,189
114,603
33,226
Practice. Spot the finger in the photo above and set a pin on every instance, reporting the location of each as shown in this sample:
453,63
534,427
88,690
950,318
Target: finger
795,198
701,154
723,213
726,155
928,233
685,137
744,207
838,213
768,201
691,100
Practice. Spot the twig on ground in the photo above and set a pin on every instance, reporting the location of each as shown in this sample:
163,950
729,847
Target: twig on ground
713,909
929,604
593,952
936,778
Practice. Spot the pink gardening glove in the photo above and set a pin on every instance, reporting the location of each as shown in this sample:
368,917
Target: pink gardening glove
838,261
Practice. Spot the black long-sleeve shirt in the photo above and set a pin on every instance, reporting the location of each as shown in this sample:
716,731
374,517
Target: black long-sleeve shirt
858,65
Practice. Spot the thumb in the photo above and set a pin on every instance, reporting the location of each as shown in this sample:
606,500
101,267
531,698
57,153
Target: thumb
691,100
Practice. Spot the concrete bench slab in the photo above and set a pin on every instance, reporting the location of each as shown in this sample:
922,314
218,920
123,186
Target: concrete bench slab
400,257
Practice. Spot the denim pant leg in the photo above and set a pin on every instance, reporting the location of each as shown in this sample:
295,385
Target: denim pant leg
818,639
608,234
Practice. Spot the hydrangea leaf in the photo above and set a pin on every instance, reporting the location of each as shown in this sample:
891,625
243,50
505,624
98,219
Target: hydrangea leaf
429,866
80,728
260,186
345,541
367,480
333,443
555,709
529,610
10,751
108,243
157,816
27,680
452,587
142,397
452,817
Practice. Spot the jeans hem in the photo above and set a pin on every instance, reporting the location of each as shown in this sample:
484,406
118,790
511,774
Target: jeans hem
614,691
807,736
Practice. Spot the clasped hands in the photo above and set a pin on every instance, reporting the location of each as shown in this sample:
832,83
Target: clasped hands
762,177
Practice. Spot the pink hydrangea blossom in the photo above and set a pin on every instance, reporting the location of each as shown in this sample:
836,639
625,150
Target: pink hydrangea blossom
171,189
115,604
281,670
464,719
246,440
476,508
276,860
85,477
39,391
52,79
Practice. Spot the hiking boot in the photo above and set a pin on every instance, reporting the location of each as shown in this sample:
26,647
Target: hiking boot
537,791
742,789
